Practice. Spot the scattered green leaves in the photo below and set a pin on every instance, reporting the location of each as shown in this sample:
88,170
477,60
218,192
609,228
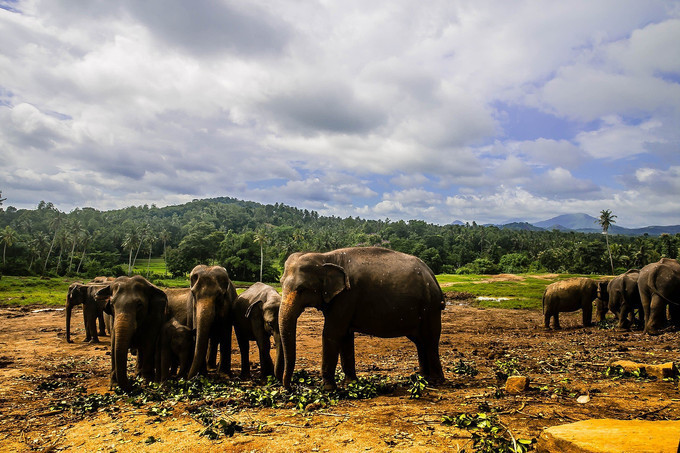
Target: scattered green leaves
418,384
463,368
488,433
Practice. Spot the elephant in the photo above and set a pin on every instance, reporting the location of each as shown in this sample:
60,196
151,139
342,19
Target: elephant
659,286
209,311
138,309
175,349
624,299
370,290
569,295
256,317
93,310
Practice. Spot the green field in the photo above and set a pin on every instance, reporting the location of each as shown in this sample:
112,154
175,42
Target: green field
522,291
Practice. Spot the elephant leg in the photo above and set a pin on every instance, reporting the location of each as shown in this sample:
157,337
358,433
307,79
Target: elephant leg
547,317
266,364
86,323
433,365
244,347
330,350
657,316
422,355
556,322
225,351
587,315
102,324
212,355
674,315
347,358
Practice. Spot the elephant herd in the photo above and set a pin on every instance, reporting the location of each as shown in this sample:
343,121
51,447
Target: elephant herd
648,298
368,290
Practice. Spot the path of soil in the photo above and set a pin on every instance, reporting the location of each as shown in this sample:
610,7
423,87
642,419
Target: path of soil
562,365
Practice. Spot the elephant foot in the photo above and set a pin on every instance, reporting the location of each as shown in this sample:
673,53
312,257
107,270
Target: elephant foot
557,327
244,376
330,386
102,334
68,340
349,380
94,340
87,339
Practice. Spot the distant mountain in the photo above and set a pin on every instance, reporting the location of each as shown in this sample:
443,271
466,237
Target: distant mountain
570,222
585,223
521,226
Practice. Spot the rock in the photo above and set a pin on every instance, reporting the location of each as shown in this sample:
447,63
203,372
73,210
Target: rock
517,384
607,435
662,371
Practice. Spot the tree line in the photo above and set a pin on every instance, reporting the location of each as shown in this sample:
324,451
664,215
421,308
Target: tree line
252,241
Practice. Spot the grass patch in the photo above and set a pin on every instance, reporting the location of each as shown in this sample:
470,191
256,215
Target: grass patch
18,291
526,292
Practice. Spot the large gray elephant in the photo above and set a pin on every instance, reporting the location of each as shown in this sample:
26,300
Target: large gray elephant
138,310
256,317
369,290
569,295
624,299
93,311
209,313
659,286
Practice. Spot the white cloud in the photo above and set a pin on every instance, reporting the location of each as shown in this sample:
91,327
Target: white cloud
330,105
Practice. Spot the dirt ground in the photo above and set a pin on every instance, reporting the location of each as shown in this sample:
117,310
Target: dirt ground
562,365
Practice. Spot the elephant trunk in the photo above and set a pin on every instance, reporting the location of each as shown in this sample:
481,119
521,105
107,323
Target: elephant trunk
205,318
278,366
124,329
288,316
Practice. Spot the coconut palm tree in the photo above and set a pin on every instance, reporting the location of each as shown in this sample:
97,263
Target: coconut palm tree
55,224
8,237
260,238
606,220
164,236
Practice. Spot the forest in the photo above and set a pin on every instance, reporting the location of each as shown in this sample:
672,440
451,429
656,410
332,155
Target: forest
251,239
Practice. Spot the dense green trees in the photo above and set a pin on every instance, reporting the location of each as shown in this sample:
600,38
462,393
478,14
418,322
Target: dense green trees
252,239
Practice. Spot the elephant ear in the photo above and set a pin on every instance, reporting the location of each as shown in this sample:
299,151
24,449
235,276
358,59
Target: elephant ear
335,280
105,294
158,301
251,306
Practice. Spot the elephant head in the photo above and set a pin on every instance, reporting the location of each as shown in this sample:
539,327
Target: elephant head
212,296
307,281
138,310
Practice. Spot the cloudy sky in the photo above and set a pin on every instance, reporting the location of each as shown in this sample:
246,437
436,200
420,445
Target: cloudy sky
437,110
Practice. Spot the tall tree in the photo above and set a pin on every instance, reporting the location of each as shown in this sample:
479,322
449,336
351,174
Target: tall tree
129,243
164,236
76,234
606,220
150,241
260,238
54,225
8,237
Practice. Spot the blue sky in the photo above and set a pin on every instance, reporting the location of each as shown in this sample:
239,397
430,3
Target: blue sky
439,110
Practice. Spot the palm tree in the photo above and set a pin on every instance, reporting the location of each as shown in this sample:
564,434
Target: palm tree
260,238
55,223
86,238
129,243
8,237
606,220
164,236
151,240
77,232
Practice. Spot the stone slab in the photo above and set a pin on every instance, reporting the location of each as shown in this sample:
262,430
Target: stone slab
608,435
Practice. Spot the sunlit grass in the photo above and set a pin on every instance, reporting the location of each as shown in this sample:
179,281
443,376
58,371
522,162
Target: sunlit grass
18,291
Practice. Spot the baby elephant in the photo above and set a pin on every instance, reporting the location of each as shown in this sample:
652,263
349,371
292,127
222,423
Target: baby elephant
569,295
256,317
175,348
